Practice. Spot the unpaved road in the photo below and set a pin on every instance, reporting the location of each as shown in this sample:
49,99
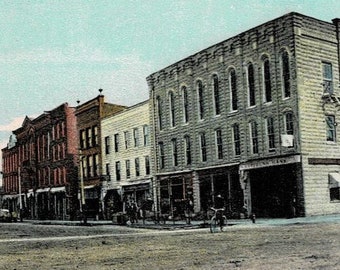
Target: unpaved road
308,246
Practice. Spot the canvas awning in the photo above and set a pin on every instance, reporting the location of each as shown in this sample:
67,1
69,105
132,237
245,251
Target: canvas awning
58,189
334,180
39,190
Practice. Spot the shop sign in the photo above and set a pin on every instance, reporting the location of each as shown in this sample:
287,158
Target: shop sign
270,162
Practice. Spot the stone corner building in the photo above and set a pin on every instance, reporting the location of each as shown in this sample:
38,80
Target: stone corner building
253,118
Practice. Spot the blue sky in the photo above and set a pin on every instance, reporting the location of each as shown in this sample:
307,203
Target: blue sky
53,52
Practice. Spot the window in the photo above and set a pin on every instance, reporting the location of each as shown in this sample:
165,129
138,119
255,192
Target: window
267,82
95,135
289,123
84,163
127,168
136,137
185,104
330,128
126,139
174,152
233,89
161,155
107,168
89,137
147,165
216,93
203,147
334,194
82,139
146,135
251,85
107,145
327,78
137,167
270,133
159,112
187,146
90,166
285,74
219,145
116,136
237,142
254,138
118,176
96,165
172,109
200,95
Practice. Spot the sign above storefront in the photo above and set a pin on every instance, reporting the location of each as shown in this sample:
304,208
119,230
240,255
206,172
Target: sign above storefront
255,164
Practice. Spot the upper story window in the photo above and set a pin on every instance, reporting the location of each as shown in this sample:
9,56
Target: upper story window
107,145
285,74
118,172
203,147
95,135
116,136
251,85
237,141
185,101
89,137
127,168
159,112
96,165
266,81
90,166
174,152
327,75
219,144
200,100
82,138
330,128
270,133
216,93
137,167
254,137
161,155
126,139
289,124
147,165
187,146
107,169
172,109
146,135
136,137
233,89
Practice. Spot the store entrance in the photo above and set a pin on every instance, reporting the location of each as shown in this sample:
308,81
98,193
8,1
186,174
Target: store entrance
273,191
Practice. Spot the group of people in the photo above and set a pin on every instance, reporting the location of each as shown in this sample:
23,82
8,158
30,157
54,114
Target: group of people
135,212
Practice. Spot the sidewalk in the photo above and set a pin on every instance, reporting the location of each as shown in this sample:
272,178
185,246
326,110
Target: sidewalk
181,224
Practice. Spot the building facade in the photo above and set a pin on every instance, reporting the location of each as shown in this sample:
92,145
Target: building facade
252,118
40,166
89,116
126,156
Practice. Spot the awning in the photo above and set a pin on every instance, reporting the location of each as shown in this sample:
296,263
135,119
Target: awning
140,185
39,190
58,189
89,187
334,180
5,197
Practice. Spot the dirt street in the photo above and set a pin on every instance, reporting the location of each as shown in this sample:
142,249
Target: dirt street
308,246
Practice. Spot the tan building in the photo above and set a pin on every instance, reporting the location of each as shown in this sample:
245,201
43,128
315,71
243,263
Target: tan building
126,158
254,118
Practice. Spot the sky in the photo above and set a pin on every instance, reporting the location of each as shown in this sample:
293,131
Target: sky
52,52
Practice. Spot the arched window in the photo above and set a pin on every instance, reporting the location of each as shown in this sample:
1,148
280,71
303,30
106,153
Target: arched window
187,150
216,93
172,109
254,137
236,138
159,112
185,104
200,100
233,89
266,81
285,74
251,85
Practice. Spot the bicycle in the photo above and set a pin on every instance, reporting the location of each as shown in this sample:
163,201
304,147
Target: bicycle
218,220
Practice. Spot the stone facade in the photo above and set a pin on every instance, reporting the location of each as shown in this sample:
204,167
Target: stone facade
253,112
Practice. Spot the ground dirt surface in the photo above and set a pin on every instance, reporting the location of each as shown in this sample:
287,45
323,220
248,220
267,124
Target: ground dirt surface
295,246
